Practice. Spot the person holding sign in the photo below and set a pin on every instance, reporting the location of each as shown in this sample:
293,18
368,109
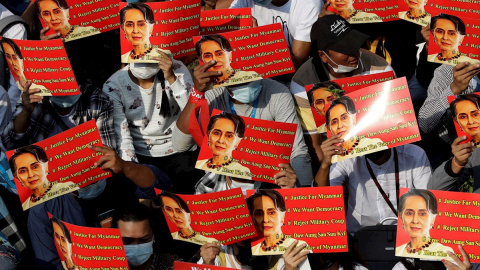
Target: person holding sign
320,95
466,112
30,166
224,131
448,32
14,58
176,209
346,10
64,243
55,14
418,209
416,12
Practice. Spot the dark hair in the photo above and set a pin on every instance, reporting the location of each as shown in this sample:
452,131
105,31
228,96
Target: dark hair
174,197
468,97
459,24
427,195
131,213
346,101
221,40
276,197
12,44
35,150
60,3
63,227
145,9
330,86
237,121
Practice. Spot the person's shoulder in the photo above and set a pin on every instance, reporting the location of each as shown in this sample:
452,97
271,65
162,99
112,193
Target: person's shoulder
305,5
212,94
411,151
242,4
273,87
306,74
371,59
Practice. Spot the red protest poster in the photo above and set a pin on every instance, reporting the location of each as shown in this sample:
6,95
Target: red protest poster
454,39
415,11
246,55
314,216
321,94
178,265
375,118
225,20
168,26
74,19
466,116
245,147
459,8
366,11
88,248
208,218
56,166
45,63
432,222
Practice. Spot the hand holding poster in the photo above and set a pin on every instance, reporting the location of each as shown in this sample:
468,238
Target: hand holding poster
225,20
74,19
281,216
374,118
245,147
51,73
88,248
430,223
370,11
64,158
152,30
208,218
245,55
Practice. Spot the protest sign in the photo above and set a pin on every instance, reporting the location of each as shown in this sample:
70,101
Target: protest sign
432,222
45,63
366,11
325,92
246,147
245,55
459,8
76,19
466,116
88,248
315,216
178,265
168,26
64,158
208,218
417,12
225,20
375,118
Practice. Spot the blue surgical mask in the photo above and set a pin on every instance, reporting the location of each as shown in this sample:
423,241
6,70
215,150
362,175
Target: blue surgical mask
138,254
262,2
92,191
246,93
65,101
342,68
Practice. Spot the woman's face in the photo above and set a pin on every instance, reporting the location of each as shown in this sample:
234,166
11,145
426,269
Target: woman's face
468,117
62,243
416,4
137,30
268,220
340,120
320,98
416,218
211,50
445,35
222,139
341,5
175,213
14,62
55,17
30,172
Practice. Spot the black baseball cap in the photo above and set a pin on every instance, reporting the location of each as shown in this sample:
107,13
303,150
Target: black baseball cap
333,32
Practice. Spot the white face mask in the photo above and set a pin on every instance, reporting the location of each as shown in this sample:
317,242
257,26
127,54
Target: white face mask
144,70
342,68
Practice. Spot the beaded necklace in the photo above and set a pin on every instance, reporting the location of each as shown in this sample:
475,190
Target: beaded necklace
188,236
439,57
265,248
411,17
226,79
36,199
212,166
415,250
138,56
352,15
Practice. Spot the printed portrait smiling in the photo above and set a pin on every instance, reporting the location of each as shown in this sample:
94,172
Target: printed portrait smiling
416,12
320,95
466,112
64,243
348,12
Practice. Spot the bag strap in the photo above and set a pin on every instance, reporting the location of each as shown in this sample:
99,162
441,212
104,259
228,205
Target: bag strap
397,181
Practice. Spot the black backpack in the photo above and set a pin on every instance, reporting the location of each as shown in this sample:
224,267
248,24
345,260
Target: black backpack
5,23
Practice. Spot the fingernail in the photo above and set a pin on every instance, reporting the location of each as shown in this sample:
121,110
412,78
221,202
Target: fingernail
212,61
219,72
443,260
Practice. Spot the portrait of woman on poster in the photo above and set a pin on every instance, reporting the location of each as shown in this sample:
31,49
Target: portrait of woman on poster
225,132
348,12
14,58
417,210
55,14
217,48
29,165
267,208
466,112
341,119
64,243
137,21
448,32
320,95
177,211
416,12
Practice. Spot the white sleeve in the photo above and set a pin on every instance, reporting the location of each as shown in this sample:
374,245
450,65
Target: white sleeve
242,4
304,15
422,172
338,173
183,85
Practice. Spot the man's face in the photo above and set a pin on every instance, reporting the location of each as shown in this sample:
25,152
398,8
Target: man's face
321,97
13,60
62,243
446,36
55,17
340,120
135,232
337,58
211,50
136,29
